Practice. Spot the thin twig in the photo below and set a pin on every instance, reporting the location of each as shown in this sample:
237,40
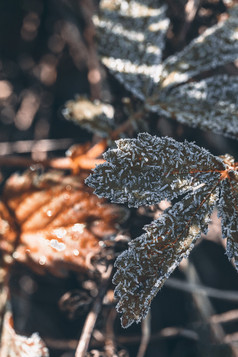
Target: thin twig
167,332
93,315
199,289
203,305
110,346
26,146
94,71
225,317
146,333
17,161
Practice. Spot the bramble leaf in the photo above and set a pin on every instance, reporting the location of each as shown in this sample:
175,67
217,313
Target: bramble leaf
211,103
145,171
131,40
149,169
228,210
151,258
217,46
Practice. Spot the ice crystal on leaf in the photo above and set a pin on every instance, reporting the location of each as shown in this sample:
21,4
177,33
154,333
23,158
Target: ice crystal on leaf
131,38
146,170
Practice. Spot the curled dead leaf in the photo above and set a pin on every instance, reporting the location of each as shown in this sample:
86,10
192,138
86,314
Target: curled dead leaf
58,223
14,345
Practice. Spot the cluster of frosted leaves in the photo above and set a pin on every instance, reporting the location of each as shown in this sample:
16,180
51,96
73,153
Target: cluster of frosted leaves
59,224
14,345
147,170
95,116
211,103
126,40
131,40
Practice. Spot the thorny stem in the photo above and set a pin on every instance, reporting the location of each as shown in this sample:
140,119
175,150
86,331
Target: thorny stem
93,314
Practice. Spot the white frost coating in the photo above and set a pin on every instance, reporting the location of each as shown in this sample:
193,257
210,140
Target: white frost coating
135,172
152,169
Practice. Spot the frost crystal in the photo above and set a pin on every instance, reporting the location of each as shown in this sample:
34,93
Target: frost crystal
147,170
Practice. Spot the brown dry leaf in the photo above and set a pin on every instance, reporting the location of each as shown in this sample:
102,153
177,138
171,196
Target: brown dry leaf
60,223
14,345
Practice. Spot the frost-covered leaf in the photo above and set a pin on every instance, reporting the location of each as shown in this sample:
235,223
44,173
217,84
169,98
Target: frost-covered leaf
228,210
149,169
60,223
151,258
211,103
95,116
131,41
14,345
145,171
217,46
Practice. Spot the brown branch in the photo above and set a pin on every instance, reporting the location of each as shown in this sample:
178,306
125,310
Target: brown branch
202,290
110,346
94,70
146,334
93,315
25,146
17,161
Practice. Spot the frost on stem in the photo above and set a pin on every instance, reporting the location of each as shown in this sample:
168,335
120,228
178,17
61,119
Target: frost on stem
131,40
147,170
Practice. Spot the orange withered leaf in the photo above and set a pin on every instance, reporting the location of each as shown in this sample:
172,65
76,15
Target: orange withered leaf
60,223
14,345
